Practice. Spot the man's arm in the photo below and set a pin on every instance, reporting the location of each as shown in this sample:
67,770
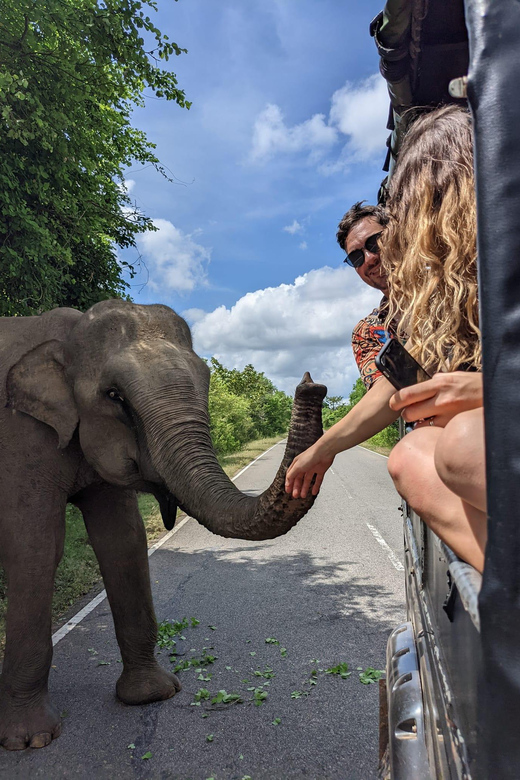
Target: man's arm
368,417
367,339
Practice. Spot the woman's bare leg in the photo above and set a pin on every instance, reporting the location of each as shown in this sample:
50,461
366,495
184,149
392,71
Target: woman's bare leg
460,458
456,522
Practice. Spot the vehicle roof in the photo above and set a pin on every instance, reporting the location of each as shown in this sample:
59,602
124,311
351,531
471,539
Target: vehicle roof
423,45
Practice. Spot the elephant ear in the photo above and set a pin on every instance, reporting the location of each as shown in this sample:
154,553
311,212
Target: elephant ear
36,385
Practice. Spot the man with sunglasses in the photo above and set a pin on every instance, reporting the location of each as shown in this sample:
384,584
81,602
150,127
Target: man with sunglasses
358,234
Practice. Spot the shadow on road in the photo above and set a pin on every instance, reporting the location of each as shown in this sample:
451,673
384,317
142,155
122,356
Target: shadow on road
322,611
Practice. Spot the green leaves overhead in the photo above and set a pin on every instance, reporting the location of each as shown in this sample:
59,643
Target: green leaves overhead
71,72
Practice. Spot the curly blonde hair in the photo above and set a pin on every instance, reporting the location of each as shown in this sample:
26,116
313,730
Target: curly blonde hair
429,249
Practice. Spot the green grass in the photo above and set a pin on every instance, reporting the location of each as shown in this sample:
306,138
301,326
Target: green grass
237,460
370,445
78,571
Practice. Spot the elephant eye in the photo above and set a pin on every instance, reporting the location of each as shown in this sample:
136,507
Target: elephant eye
115,395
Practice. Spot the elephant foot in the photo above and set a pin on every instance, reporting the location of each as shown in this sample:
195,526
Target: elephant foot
146,684
31,725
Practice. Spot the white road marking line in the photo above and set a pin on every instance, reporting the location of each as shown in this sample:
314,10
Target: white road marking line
372,451
258,458
73,622
345,488
396,563
342,482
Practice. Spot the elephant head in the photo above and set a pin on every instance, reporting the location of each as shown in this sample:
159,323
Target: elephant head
126,376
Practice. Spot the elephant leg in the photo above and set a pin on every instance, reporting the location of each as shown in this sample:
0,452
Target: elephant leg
32,546
117,533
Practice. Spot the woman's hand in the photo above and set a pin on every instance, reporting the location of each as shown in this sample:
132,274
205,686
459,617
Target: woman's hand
365,419
440,398
310,463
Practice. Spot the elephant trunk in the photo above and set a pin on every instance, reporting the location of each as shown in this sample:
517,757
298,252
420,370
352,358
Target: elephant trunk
181,452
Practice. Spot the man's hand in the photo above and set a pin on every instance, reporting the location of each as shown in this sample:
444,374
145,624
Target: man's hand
303,468
441,397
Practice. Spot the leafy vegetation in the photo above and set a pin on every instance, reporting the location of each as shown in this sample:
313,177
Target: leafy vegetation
370,675
334,409
341,669
223,697
71,74
167,630
244,405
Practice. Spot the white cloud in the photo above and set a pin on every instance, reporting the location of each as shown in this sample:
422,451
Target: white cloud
287,330
272,135
174,261
127,185
302,245
294,228
194,315
358,111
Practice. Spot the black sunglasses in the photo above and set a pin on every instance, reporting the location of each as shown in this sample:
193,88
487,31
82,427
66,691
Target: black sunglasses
356,258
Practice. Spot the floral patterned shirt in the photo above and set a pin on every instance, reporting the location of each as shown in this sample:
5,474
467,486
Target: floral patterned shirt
368,337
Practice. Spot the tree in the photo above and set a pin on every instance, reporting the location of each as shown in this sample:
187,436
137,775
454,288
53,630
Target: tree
270,409
357,392
333,401
230,419
71,72
385,438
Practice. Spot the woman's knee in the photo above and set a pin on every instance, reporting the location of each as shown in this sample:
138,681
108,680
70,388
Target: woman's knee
411,459
459,454
397,461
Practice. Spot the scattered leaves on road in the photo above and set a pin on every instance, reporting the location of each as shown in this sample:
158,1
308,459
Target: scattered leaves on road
223,697
299,694
259,696
267,674
202,694
370,675
341,669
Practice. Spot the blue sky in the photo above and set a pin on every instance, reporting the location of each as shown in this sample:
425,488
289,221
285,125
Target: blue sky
286,131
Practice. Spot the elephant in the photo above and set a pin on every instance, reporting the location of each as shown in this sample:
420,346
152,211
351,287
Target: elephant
94,407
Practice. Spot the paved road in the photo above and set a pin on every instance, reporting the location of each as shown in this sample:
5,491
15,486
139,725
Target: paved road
331,590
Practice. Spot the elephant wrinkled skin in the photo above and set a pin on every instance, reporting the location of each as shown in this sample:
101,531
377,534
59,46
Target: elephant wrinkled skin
93,407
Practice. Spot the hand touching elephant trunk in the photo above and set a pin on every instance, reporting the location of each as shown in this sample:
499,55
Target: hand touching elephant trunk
187,463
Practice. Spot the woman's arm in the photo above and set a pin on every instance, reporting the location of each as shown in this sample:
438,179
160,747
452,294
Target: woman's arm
367,418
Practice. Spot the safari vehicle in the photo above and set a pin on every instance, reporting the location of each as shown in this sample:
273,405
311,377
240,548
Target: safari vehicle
452,704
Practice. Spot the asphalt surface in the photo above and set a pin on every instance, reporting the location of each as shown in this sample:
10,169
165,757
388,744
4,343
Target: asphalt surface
332,590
